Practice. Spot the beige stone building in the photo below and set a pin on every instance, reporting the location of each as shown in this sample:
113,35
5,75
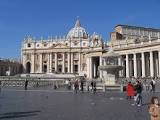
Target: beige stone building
139,48
62,54
81,53
10,67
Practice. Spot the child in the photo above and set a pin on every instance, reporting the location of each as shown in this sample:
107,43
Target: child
154,109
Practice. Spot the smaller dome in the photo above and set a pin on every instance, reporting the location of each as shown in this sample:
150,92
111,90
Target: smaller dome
77,31
95,36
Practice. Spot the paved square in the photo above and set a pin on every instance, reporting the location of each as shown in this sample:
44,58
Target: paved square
60,105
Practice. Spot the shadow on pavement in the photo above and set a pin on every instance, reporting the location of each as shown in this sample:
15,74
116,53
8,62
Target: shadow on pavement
10,115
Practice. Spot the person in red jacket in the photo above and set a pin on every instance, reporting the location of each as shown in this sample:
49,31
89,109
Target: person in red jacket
130,90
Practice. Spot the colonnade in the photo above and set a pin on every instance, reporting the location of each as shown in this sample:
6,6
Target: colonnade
67,62
144,64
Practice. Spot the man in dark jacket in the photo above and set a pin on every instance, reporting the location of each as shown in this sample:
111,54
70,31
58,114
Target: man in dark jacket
138,89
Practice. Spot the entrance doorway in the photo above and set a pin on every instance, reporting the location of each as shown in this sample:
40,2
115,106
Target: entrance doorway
44,68
95,65
75,68
28,67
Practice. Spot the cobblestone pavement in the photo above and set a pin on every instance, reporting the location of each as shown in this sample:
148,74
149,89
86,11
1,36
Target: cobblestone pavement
18,104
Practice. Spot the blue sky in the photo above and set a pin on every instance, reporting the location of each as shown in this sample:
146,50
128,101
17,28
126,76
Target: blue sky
19,18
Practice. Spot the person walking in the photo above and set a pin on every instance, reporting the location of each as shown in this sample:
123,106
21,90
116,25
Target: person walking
69,85
26,84
94,87
82,83
153,85
76,86
138,97
154,109
130,90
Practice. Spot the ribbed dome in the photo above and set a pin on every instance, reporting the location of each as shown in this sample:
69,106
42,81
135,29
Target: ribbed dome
77,31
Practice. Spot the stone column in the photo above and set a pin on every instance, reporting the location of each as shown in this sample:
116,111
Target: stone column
63,64
88,67
91,67
159,61
151,65
72,63
120,63
48,62
50,67
94,69
135,65
127,65
23,62
143,65
33,63
79,63
69,63
100,63
56,61
40,62
156,67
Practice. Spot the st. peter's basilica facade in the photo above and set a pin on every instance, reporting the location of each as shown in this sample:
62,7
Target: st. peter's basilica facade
80,53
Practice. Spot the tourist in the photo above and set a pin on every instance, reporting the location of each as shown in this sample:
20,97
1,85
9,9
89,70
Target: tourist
76,86
153,84
138,96
82,83
87,85
26,84
94,87
154,109
130,90
69,85
55,86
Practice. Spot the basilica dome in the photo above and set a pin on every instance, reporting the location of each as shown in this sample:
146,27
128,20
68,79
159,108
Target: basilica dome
77,31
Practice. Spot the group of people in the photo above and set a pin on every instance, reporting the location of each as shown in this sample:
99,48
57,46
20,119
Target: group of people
135,91
79,84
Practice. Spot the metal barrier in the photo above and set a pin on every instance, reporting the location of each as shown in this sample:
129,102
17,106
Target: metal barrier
32,82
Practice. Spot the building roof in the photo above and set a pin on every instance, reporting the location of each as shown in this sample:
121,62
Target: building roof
138,27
